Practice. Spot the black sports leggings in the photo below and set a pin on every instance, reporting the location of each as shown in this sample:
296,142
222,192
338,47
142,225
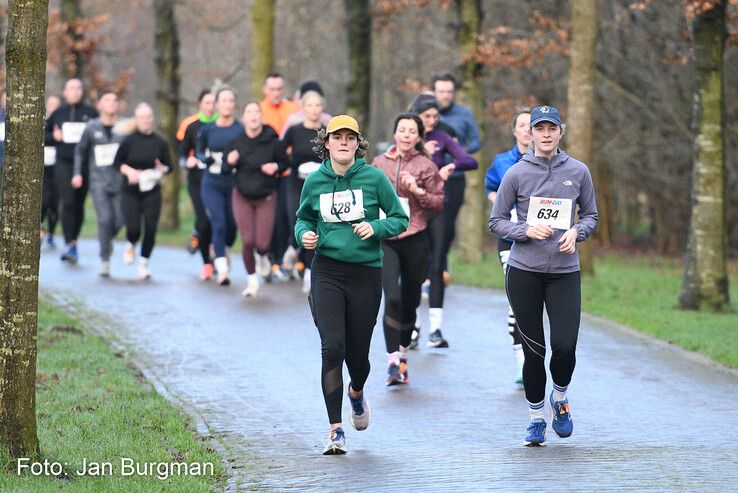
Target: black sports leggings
137,205
561,293
403,273
503,250
442,231
72,200
202,222
49,200
344,299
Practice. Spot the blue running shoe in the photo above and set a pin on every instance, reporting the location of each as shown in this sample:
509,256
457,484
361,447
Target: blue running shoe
561,423
536,436
336,443
361,413
70,254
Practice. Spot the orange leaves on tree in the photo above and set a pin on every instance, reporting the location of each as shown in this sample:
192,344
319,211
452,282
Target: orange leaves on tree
413,86
503,109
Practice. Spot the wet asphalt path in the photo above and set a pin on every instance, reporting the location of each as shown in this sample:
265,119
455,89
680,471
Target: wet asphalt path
647,416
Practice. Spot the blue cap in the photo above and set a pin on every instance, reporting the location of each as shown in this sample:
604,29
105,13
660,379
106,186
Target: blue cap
545,114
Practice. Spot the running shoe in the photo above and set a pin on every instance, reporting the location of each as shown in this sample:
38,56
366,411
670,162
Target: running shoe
414,336
561,423
221,267
278,274
251,289
206,273
50,242
404,375
104,268
129,253
435,339
361,413
193,245
299,269
394,377
425,290
536,436
143,269
289,259
70,254
263,266
336,443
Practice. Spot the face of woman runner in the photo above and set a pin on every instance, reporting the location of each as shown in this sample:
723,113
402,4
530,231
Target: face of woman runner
521,131
144,117
546,137
312,107
430,119
207,104
226,103
251,118
342,146
407,135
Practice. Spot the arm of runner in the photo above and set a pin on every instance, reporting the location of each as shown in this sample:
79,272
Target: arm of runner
396,221
499,221
588,216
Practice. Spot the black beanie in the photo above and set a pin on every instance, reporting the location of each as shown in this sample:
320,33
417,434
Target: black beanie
310,85
423,102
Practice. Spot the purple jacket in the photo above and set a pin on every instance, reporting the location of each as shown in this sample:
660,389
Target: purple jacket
560,177
463,160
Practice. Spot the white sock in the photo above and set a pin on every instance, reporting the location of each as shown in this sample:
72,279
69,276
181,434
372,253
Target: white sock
143,262
536,410
254,278
559,393
436,318
417,318
519,354
221,265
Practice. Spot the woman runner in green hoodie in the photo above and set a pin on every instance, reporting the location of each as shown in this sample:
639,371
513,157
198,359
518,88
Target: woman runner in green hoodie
339,218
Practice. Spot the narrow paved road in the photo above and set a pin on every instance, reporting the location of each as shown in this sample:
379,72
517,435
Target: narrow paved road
647,416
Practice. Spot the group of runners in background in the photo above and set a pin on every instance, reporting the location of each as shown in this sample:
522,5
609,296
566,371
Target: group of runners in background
294,183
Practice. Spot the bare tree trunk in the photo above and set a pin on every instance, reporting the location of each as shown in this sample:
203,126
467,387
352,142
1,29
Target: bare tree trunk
70,12
472,215
581,98
262,44
360,57
705,275
21,206
166,43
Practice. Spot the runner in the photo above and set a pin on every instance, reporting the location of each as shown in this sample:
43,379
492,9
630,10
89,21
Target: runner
63,130
543,267
298,117
502,163
218,181
258,158
96,151
49,195
438,145
420,188
143,158
339,218
298,139
187,137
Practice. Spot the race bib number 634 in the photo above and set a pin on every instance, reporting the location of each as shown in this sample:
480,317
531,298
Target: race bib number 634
551,211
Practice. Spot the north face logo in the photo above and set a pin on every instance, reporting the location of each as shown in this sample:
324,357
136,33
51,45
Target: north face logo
567,182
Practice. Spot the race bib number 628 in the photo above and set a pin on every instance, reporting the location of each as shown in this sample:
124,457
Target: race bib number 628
342,206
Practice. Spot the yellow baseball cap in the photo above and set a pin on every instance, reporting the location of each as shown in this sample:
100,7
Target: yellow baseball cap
342,122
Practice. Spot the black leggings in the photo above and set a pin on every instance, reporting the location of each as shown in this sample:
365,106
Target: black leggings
202,223
72,200
503,250
403,273
49,201
344,299
442,231
561,293
282,234
146,205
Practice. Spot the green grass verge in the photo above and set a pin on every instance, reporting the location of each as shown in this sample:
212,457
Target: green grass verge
640,292
92,406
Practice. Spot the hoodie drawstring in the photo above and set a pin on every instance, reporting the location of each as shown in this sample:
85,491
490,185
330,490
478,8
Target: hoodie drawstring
333,196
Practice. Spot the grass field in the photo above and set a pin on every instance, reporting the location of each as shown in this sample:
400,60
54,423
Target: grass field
91,405
640,292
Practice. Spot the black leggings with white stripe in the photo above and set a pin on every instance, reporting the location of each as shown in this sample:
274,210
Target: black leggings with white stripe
561,294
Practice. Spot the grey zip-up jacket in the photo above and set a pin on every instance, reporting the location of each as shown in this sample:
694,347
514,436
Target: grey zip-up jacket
560,177
106,177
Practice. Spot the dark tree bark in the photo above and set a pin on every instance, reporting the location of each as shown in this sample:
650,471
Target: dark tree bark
166,44
472,215
705,275
262,44
360,41
74,68
21,208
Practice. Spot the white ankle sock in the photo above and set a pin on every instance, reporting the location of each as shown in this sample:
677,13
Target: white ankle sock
559,393
536,410
436,318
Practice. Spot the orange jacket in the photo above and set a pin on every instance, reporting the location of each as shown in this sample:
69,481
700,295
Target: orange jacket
276,115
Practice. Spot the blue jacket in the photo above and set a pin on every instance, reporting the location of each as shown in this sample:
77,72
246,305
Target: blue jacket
499,167
462,121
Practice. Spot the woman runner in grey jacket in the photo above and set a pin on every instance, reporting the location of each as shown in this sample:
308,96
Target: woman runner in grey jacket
545,187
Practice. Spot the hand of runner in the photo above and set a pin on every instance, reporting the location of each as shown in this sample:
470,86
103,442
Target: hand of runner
58,136
77,181
430,147
539,232
233,157
408,181
269,168
191,162
309,240
568,241
364,230
491,197
131,174
446,171
161,167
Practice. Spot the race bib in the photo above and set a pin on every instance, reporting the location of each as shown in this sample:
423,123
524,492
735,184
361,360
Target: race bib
405,206
553,212
105,154
49,155
217,165
340,207
2,131
148,179
72,132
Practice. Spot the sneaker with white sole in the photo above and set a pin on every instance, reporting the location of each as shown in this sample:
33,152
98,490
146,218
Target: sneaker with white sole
251,288
129,253
561,421
104,269
536,433
435,339
414,336
361,413
336,443
143,269
263,265
223,274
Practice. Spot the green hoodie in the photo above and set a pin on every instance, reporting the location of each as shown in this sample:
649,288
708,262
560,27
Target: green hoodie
336,237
